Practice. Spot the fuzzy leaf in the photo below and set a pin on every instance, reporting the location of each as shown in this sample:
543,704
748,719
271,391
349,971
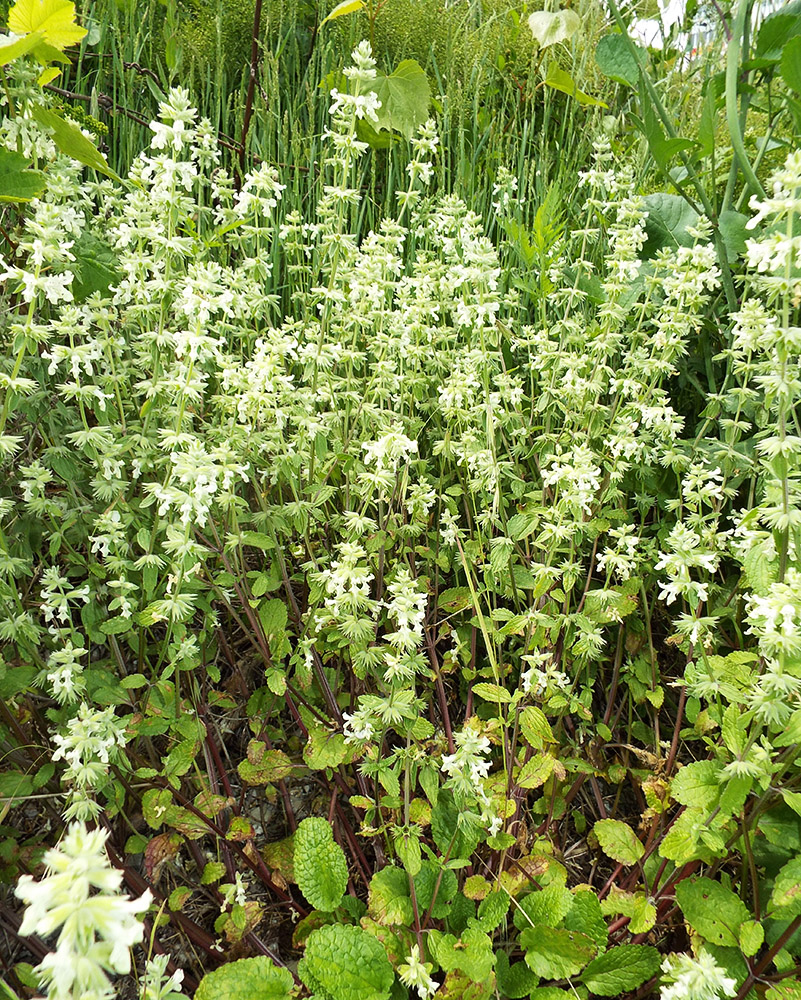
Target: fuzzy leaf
585,916
492,692
346,963
551,27
618,841
712,910
556,954
697,784
621,969
320,867
388,898
256,978
536,770
535,727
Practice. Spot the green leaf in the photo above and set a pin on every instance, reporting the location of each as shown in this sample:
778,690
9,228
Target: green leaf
558,79
552,27
774,34
472,953
535,728
544,906
323,748
787,889
14,788
53,19
346,963
405,96
388,899
751,937
264,766
618,841
320,866
13,50
493,909
72,142
256,978
455,599
17,183
514,981
697,784
556,954
621,969
346,7
96,266
667,222
732,226
585,916
712,910
492,692
616,60
536,770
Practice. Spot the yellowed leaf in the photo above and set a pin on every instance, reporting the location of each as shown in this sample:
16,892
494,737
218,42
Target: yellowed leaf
55,19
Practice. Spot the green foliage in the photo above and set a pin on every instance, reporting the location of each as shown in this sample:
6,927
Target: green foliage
253,978
345,963
319,863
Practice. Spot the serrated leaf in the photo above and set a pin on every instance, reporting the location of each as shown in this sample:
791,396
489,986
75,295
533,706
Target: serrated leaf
53,19
669,217
264,766
515,980
405,96
492,692
616,60
786,893
712,910
585,916
618,841
324,748
552,27
212,872
256,978
493,909
72,142
321,870
545,906
341,9
535,728
697,784
346,963
536,770
560,80
553,953
621,969
17,182
455,599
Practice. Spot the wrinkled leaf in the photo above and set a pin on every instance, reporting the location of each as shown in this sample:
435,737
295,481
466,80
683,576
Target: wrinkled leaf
320,866
552,27
256,978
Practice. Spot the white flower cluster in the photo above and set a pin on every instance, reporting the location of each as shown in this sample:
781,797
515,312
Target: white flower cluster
699,978
96,928
92,740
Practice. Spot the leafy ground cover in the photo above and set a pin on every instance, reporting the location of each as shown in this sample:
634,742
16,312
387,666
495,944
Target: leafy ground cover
399,523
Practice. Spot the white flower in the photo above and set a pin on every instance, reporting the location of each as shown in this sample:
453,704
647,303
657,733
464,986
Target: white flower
695,978
97,931
416,974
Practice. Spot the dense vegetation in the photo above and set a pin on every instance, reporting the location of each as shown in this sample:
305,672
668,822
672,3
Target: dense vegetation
400,508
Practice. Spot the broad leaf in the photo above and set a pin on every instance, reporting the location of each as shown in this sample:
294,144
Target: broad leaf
712,910
256,978
535,728
558,79
346,963
320,867
618,841
787,889
790,65
96,267
405,96
556,954
697,784
616,60
492,692
669,217
20,47
621,969
17,183
585,916
54,19
551,27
